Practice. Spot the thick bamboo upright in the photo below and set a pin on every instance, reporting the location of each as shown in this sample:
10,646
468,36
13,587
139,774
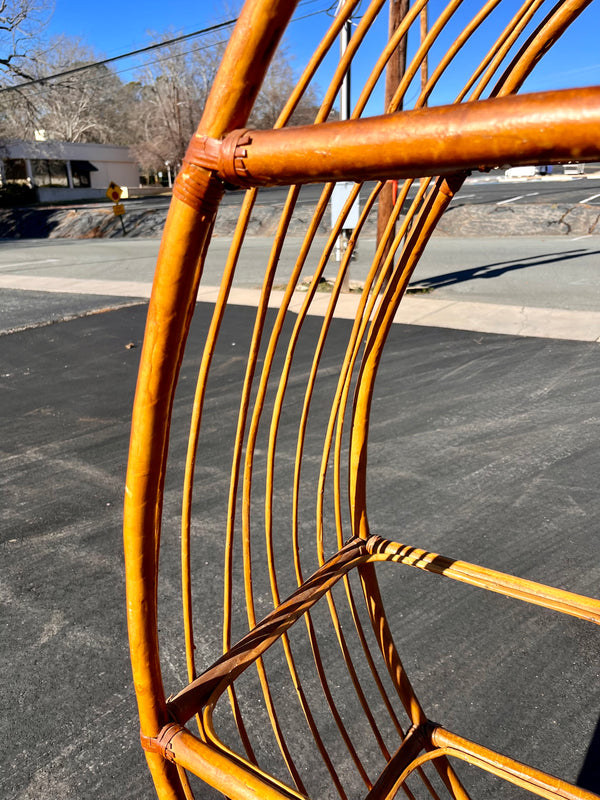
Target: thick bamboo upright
435,147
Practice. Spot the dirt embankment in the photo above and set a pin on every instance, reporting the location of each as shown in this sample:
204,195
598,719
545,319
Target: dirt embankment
460,220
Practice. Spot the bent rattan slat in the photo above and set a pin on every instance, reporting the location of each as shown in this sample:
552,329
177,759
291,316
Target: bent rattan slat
553,127
311,662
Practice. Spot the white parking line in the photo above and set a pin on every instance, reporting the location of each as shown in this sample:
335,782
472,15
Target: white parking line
587,199
29,263
460,197
510,200
518,197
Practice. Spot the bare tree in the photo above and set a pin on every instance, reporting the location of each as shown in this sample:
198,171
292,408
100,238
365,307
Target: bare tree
89,106
17,115
175,89
173,94
156,115
21,24
277,87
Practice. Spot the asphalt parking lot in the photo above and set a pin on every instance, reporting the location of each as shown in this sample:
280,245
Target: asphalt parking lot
486,446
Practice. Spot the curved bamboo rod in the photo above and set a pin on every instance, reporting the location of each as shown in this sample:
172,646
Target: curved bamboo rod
187,231
184,244
259,404
553,25
541,40
323,259
454,49
501,48
308,395
190,466
379,66
540,594
315,61
445,744
244,412
540,128
193,192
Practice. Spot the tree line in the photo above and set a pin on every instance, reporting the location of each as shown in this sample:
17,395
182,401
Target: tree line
155,113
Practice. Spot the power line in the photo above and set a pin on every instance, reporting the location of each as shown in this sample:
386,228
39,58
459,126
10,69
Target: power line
100,78
148,48
213,44
157,45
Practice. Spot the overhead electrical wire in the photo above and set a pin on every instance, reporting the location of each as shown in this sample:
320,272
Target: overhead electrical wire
100,78
148,48
155,46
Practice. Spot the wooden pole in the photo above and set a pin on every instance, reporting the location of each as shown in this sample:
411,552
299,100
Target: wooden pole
424,63
345,112
393,75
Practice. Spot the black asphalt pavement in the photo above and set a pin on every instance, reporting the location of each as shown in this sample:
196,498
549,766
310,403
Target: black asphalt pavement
22,310
486,448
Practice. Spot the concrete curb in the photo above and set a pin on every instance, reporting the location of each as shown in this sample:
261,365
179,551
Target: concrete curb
551,323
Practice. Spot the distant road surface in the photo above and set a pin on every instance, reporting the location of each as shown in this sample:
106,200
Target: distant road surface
478,189
546,272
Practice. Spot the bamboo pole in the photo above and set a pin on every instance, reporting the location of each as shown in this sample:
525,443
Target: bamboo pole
542,128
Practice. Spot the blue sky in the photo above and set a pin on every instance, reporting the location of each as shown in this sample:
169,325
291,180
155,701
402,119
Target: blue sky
115,27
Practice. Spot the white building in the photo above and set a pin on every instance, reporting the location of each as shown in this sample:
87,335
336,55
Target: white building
67,170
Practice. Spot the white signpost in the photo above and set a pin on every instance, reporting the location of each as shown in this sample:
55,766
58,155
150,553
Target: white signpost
342,190
339,196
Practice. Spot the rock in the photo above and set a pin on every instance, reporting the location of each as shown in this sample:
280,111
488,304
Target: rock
534,219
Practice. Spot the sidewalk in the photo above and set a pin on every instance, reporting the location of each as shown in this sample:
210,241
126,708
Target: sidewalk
553,323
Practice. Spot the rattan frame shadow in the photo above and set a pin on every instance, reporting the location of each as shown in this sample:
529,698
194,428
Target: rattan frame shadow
439,146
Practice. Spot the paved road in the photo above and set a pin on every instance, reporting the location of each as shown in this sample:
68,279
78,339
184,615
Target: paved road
533,272
477,190
536,190
480,188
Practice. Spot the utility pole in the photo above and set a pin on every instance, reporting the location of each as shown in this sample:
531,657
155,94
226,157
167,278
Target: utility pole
345,92
395,69
424,63
342,189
